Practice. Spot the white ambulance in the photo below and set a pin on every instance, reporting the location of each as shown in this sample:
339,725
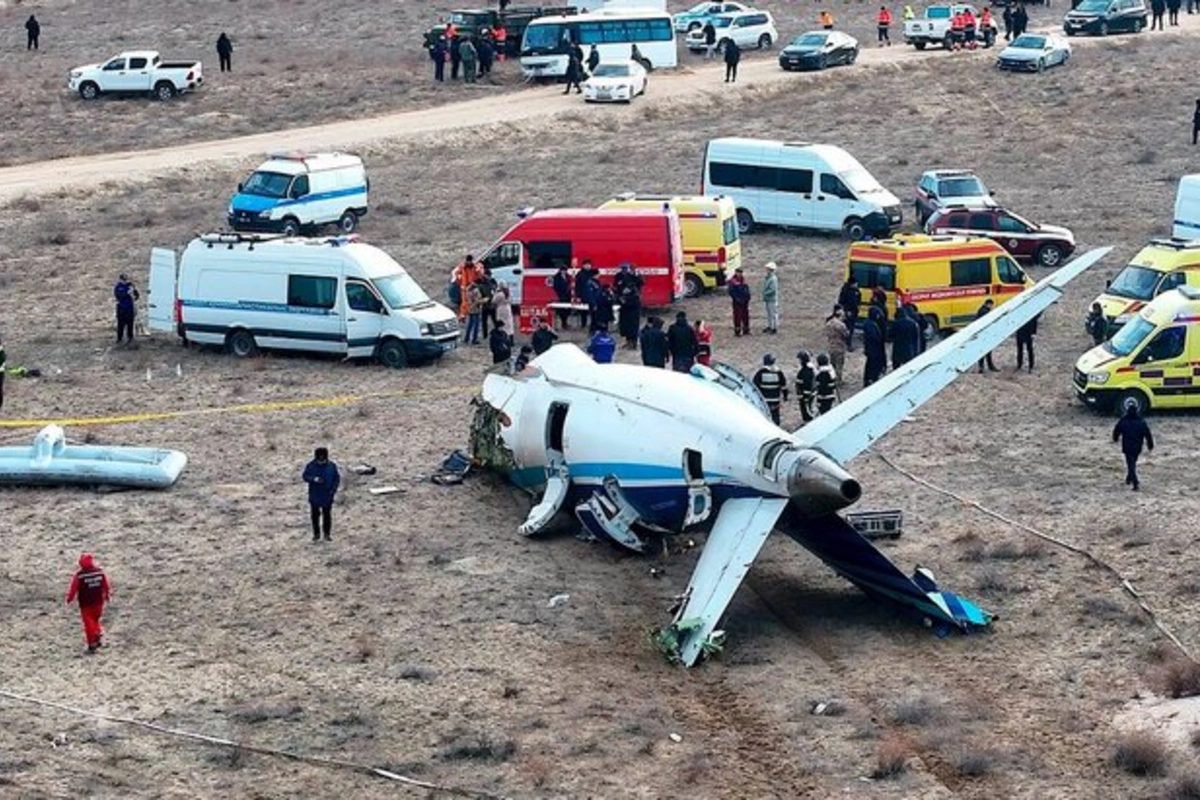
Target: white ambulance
331,295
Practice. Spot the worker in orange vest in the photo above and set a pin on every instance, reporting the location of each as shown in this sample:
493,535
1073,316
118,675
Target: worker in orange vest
501,37
885,22
969,28
451,31
826,20
985,26
957,30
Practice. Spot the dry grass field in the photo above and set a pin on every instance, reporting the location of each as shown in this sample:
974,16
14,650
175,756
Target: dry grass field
420,640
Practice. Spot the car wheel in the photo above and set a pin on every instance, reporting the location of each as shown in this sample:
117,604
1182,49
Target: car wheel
854,229
1135,395
764,42
1104,29
89,91
692,287
348,222
164,91
241,343
853,56
919,45
822,62
1049,255
391,353
745,222
1070,32
291,227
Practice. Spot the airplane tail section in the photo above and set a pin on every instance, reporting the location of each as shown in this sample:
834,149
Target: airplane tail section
849,554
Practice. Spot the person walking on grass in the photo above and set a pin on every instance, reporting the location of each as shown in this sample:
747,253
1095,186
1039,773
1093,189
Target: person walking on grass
574,73
439,54
90,586
739,296
652,342
1173,12
470,59
225,52
710,40
474,300
682,343
733,54
1196,122
1157,9
1132,432
884,24
1025,335
323,480
837,339
126,296
33,30
770,296
983,311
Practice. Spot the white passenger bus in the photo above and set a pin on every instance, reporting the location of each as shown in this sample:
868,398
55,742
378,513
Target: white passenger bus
548,40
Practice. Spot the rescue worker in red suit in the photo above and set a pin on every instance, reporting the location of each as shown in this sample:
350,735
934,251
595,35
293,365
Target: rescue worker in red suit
90,585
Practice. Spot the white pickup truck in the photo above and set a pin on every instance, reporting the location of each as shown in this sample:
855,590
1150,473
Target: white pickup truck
133,72
933,27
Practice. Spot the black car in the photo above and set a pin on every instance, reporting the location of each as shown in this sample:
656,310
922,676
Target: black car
818,50
1105,16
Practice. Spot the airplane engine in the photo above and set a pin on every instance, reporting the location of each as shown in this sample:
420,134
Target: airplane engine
819,486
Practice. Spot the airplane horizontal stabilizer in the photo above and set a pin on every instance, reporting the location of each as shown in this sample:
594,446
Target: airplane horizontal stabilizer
851,555
854,425
742,527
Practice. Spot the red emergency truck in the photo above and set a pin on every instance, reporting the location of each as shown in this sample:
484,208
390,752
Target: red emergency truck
529,254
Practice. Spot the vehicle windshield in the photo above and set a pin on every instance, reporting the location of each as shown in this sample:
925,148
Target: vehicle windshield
461,18
937,12
542,37
611,71
1030,42
1136,283
809,40
860,181
722,22
1092,7
267,184
961,187
700,8
1129,338
400,290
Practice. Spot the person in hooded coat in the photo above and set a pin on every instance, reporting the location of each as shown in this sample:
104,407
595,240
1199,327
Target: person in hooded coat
630,315
874,345
543,338
906,338
1133,432
653,341
602,308
682,344
90,585
323,479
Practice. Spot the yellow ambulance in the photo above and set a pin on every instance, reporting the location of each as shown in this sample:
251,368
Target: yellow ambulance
1154,358
946,277
708,228
1157,268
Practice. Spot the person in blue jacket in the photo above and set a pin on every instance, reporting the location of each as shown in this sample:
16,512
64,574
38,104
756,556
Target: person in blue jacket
126,296
323,480
602,347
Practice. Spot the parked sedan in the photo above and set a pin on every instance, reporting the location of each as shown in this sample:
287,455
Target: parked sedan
615,82
818,50
1032,52
1047,245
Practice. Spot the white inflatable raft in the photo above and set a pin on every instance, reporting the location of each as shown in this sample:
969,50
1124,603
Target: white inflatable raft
51,461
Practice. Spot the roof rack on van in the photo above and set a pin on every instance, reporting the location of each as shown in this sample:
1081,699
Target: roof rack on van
230,238
334,241
1177,244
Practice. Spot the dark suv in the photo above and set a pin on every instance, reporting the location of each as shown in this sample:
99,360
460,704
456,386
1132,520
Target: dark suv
1047,245
1103,17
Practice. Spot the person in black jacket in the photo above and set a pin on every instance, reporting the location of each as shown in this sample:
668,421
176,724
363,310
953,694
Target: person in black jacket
1097,324
585,290
33,30
630,315
574,73
906,338
983,311
923,325
710,40
1132,431
437,52
225,52
1025,335
806,385
772,385
682,344
593,60
543,338
1196,122
1157,8
1020,20
733,54
602,308
562,293
500,343
1173,11
653,342
874,346
849,299
455,57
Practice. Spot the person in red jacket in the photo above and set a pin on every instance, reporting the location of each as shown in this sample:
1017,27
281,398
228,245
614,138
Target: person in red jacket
884,23
91,586
958,25
704,343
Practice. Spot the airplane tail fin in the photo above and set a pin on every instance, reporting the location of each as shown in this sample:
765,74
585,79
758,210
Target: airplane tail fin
849,554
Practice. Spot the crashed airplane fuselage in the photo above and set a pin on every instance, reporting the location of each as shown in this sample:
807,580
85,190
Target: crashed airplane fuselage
637,453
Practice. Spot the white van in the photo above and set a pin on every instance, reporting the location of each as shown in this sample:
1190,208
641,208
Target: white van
331,295
797,184
292,192
1187,209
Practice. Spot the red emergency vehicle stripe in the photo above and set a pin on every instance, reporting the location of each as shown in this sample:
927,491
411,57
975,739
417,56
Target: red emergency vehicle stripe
946,252
698,215
945,294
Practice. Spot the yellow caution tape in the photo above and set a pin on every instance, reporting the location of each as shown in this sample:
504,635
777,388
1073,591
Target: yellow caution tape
244,408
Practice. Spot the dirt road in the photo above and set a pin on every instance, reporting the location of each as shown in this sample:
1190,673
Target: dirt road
48,176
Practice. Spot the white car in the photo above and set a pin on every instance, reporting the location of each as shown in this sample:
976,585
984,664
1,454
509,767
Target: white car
615,82
1033,52
746,29
137,71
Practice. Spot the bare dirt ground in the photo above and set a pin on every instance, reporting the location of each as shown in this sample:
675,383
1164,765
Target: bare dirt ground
420,640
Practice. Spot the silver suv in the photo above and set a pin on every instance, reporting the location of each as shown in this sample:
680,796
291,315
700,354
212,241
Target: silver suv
939,188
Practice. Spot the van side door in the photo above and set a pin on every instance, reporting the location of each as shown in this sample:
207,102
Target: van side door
313,320
365,317
505,262
971,283
833,203
1163,366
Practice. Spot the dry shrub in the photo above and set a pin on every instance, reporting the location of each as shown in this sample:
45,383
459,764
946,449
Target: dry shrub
364,648
479,747
1011,551
1195,738
891,758
915,711
974,763
992,579
55,232
1141,753
1177,677
1186,787
26,204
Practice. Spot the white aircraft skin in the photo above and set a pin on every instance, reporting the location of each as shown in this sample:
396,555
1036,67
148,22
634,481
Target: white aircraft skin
619,451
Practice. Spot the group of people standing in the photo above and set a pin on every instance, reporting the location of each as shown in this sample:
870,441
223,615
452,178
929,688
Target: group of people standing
473,54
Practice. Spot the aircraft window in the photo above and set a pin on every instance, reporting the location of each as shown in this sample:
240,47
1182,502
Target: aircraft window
770,453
